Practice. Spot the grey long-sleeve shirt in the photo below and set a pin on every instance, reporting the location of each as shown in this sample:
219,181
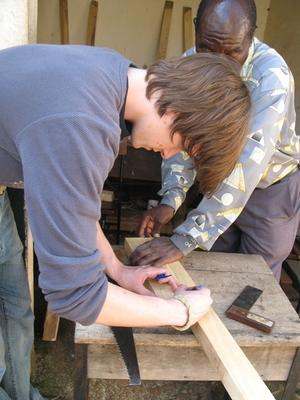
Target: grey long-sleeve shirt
271,152
59,134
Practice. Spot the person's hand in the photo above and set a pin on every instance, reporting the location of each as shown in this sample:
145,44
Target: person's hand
158,251
197,298
153,220
134,278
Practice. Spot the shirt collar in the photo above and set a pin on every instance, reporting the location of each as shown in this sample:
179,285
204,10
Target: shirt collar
246,68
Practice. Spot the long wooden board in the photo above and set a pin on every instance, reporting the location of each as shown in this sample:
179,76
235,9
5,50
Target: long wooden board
92,22
165,31
237,374
188,39
64,21
51,326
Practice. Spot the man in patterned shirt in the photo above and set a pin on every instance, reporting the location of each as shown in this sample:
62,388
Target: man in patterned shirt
256,210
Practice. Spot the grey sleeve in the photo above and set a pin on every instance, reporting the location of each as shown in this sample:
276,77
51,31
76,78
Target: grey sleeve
214,215
178,175
65,163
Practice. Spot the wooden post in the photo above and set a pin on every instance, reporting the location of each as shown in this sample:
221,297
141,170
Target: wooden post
235,371
32,20
51,326
64,21
81,384
29,260
92,22
165,30
293,379
188,37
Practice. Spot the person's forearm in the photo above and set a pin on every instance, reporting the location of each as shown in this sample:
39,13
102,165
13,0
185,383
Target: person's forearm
124,308
108,257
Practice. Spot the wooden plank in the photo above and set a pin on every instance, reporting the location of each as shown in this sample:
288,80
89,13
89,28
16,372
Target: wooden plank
173,363
225,285
92,22
29,260
64,21
32,21
165,31
237,374
81,384
188,36
226,262
164,336
51,326
293,378
108,196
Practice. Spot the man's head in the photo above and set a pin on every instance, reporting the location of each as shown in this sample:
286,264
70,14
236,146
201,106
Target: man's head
226,27
198,104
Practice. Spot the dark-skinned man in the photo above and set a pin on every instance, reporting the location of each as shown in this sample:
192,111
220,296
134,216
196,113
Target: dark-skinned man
257,209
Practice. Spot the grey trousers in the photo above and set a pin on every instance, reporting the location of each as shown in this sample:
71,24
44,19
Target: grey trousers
268,224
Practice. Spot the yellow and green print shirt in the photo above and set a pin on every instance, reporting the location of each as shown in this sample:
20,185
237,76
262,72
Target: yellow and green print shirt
272,151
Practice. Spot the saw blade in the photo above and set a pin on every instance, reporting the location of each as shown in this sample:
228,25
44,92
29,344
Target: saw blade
125,341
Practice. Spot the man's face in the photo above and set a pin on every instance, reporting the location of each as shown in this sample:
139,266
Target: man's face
153,132
224,29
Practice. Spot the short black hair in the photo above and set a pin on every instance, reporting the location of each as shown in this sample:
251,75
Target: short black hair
250,10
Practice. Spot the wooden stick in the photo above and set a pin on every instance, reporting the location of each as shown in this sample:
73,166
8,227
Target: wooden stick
164,31
29,259
51,327
108,196
188,39
64,21
92,22
239,377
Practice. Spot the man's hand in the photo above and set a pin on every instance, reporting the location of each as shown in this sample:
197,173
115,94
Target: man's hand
134,278
158,251
154,219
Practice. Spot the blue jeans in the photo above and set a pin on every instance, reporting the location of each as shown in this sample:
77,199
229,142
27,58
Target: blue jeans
16,317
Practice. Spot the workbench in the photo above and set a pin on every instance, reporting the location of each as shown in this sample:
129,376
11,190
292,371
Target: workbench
166,354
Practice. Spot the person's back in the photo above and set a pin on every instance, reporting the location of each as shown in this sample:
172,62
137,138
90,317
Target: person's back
43,82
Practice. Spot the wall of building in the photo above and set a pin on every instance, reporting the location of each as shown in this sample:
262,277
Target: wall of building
283,33
129,26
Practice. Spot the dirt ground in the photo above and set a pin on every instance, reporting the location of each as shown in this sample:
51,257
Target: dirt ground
53,371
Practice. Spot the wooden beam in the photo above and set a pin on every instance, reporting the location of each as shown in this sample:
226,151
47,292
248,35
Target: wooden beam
92,22
51,326
64,21
237,374
32,21
107,196
164,31
29,259
188,37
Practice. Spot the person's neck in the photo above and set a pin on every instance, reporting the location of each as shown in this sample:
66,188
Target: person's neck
136,101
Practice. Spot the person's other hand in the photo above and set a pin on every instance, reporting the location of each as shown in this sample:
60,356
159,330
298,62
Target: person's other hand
134,278
153,220
158,251
199,300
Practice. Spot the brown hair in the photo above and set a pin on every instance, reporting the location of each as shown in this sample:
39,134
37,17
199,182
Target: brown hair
211,105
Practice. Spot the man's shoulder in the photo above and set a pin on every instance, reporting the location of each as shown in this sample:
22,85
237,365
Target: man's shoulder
269,69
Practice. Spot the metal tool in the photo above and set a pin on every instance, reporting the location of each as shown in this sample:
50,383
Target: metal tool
240,310
125,341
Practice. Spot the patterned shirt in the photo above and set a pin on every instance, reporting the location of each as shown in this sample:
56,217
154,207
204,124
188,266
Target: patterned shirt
271,152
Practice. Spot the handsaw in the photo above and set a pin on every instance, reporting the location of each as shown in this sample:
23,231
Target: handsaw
125,341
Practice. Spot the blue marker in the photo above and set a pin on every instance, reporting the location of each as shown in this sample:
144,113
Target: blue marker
161,276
